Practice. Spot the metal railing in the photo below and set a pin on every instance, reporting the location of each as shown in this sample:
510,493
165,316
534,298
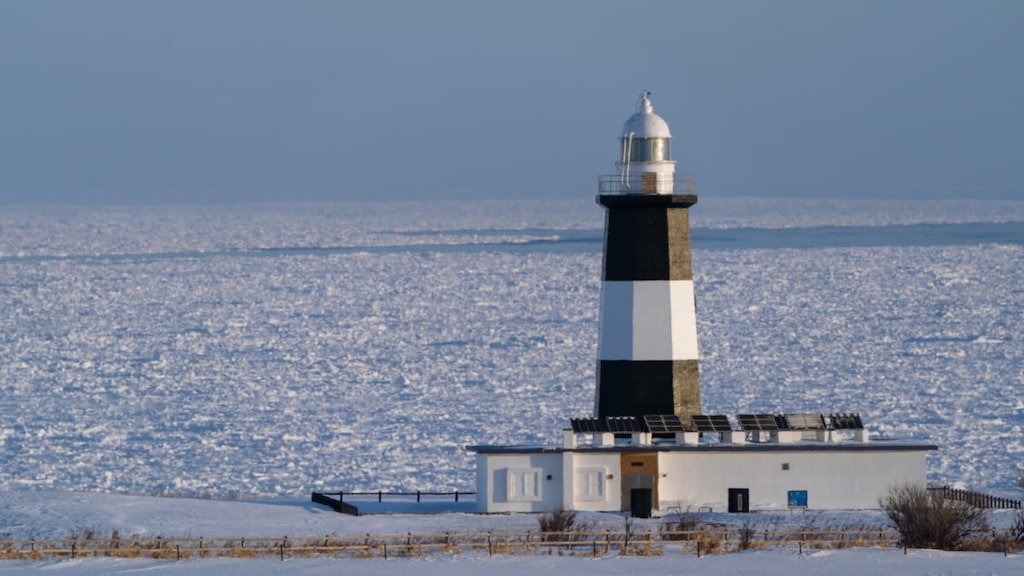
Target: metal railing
976,499
336,500
619,184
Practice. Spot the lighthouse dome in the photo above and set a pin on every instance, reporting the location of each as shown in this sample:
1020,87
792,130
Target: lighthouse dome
645,123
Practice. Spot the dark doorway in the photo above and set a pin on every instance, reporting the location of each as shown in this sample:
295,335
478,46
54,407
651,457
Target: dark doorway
640,502
739,500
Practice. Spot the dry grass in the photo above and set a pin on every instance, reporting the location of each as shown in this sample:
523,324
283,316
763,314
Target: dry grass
756,533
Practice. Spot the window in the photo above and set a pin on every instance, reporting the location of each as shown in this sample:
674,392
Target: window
590,484
523,484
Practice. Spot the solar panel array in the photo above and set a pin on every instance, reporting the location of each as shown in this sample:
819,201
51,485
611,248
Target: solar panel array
711,423
846,421
757,422
624,424
805,421
616,424
587,425
670,423
664,423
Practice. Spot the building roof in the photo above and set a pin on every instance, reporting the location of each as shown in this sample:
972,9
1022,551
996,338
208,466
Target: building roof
804,446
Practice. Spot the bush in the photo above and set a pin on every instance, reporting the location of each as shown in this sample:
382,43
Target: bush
562,525
928,520
1017,530
680,526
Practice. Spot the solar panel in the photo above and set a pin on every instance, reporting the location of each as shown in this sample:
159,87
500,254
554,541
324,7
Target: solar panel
623,424
804,422
846,421
757,422
587,425
711,423
663,423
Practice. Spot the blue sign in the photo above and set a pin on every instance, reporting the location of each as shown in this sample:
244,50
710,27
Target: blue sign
798,498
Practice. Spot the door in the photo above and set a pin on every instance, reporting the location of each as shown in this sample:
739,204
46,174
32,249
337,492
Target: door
640,502
639,471
739,500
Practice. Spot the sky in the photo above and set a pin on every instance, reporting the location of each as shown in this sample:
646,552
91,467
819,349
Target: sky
229,101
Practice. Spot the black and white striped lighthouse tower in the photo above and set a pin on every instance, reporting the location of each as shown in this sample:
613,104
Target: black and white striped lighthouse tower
647,351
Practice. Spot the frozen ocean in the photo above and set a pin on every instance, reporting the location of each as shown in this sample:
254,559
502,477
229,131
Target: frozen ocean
272,350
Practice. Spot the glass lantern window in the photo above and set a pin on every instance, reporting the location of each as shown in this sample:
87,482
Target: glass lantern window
647,149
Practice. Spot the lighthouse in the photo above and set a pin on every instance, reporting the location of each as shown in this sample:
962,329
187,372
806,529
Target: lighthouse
648,446
647,348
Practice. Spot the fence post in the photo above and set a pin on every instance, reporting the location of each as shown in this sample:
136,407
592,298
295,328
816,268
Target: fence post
177,548
380,496
456,495
417,496
74,546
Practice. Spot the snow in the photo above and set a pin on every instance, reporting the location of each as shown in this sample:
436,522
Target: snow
42,512
760,563
272,350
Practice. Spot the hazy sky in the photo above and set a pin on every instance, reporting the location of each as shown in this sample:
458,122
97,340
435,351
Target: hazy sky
164,101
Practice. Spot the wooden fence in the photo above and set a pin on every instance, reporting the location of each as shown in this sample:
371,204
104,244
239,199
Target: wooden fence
592,543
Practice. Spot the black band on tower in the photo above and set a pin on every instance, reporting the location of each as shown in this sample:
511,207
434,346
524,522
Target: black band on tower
647,237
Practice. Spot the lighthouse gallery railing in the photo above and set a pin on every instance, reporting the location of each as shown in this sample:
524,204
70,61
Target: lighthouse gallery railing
616,184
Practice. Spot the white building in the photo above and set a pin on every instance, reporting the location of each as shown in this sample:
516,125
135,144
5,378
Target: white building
736,471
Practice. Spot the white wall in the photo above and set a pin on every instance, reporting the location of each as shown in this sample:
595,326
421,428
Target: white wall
492,482
834,480
608,464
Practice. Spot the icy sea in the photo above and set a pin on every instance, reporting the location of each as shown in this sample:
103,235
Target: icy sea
271,350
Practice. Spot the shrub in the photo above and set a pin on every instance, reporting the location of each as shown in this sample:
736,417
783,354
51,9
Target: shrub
563,525
1017,530
682,525
746,535
929,520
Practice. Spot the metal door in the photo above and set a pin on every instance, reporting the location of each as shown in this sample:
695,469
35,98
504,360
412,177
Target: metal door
640,502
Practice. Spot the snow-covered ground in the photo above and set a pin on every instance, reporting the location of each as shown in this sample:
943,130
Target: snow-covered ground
40,512
279,349
850,562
